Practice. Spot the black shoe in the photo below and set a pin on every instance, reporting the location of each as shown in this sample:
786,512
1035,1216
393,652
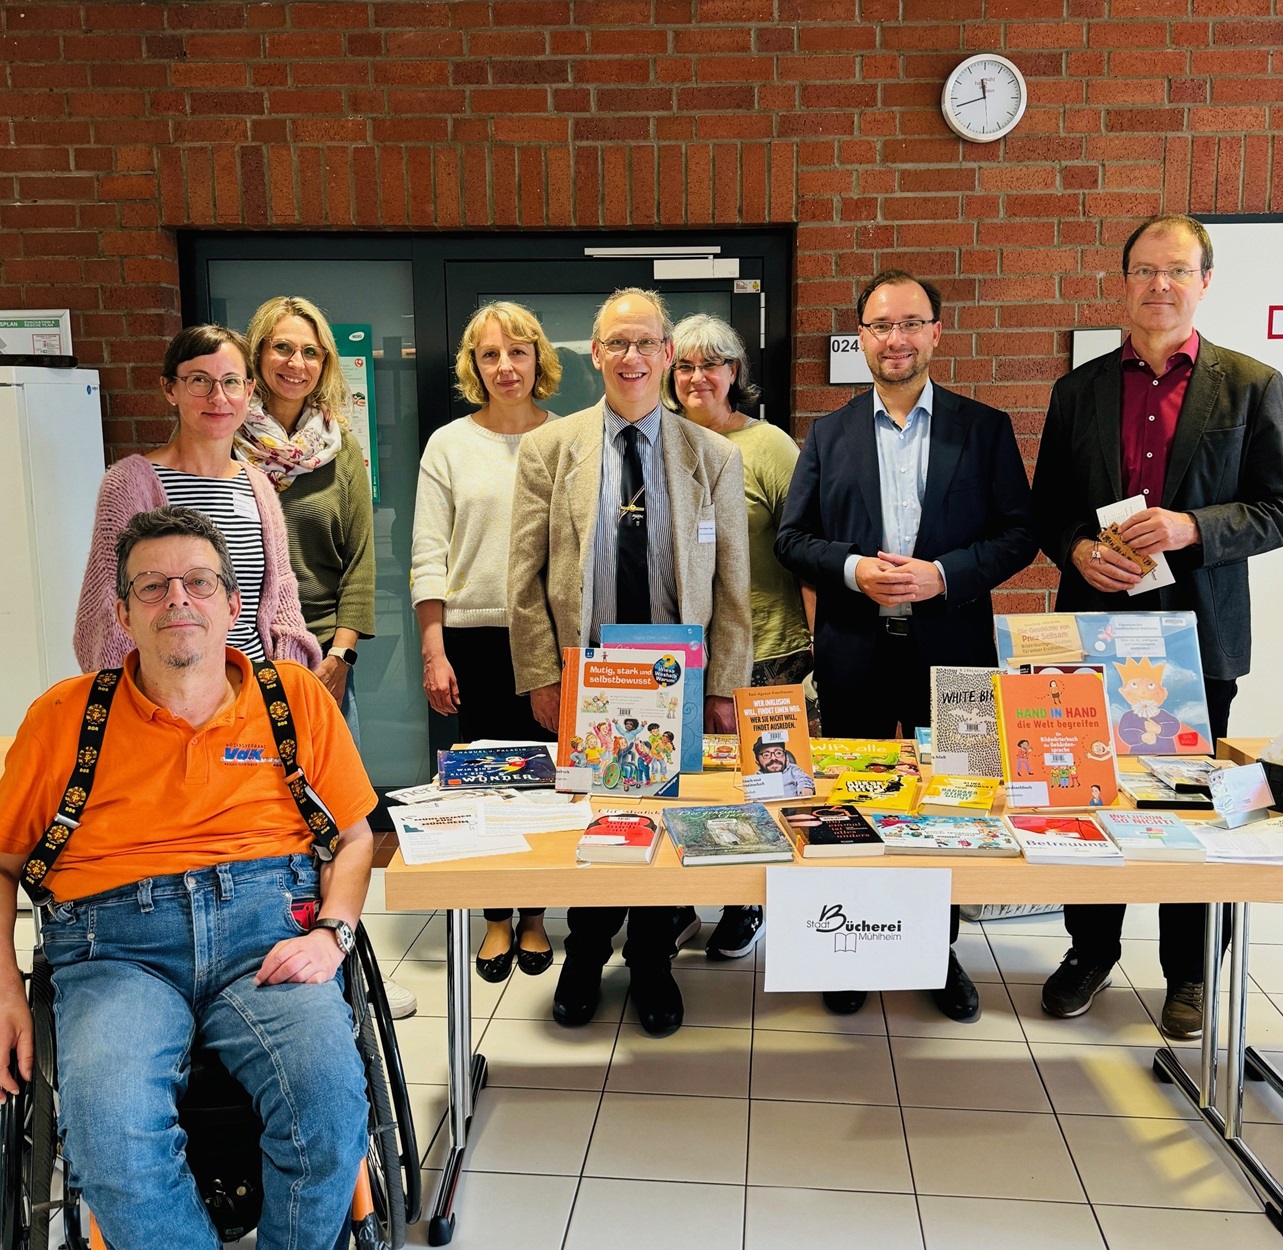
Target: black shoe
658,1001
578,992
686,927
736,934
532,963
497,969
957,997
844,1002
1069,990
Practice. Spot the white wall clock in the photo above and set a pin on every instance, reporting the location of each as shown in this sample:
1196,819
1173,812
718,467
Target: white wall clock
984,98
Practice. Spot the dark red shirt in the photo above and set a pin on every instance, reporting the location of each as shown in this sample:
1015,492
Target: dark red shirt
1151,406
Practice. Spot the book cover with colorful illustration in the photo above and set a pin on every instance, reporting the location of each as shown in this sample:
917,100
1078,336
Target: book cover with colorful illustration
721,753
1153,671
775,743
887,792
964,725
620,728
1063,840
1147,791
1151,835
521,767
742,834
619,838
945,835
1057,750
831,831
830,757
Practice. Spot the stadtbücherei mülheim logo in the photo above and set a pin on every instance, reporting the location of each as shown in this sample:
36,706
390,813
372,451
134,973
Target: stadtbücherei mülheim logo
847,933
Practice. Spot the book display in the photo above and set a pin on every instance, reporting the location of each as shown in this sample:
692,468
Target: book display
1151,835
888,792
1146,791
1187,774
1063,840
518,767
743,834
945,835
945,795
1055,737
621,720
721,753
964,724
619,838
1153,671
775,746
830,757
831,832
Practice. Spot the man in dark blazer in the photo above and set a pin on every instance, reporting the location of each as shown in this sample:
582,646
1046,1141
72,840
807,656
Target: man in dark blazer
1198,431
907,507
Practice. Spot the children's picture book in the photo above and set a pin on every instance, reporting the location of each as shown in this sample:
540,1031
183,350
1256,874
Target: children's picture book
1153,671
947,795
620,728
744,834
1151,835
1063,840
686,642
964,725
1190,774
922,738
830,757
1146,791
619,838
775,744
1057,750
945,835
721,752
519,767
823,832
888,792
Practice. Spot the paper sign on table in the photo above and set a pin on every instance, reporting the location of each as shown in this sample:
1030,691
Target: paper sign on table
851,928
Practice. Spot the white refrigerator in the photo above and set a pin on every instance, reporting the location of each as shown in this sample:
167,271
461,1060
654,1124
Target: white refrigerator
51,462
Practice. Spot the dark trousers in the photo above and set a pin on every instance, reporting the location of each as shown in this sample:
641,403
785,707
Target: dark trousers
489,705
1096,928
649,945
892,698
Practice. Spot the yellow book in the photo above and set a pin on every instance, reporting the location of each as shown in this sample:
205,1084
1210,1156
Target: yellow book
883,792
955,796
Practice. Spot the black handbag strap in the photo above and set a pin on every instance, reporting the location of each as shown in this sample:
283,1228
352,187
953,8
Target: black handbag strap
317,817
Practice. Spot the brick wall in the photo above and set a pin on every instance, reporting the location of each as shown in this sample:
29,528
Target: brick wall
122,122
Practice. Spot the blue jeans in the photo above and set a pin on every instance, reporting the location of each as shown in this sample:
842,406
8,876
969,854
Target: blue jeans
348,707
143,972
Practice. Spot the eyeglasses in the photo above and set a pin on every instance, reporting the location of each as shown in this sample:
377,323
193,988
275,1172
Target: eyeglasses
619,347
200,385
285,350
684,368
1146,273
882,329
152,587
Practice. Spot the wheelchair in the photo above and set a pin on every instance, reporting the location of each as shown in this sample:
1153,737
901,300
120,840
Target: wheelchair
223,1132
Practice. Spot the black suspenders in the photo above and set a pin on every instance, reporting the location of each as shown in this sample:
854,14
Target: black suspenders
325,835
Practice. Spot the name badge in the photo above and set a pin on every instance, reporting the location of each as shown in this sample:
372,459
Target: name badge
708,531
244,506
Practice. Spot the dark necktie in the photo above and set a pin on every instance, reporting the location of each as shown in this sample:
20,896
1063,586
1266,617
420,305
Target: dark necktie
632,581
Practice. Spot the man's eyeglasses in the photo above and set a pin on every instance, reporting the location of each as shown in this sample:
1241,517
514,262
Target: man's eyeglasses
882,329
684,368
285,350
1147,273
619,347
200,385
152,587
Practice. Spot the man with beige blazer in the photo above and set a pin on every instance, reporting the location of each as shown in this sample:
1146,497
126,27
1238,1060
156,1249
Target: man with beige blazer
624,512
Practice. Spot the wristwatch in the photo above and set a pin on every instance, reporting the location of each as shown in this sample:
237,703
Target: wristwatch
343,934
346,654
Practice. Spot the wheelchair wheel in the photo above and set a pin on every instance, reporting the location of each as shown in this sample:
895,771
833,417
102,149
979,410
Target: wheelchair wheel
384,1159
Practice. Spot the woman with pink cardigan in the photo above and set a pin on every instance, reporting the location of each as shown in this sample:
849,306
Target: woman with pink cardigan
207,380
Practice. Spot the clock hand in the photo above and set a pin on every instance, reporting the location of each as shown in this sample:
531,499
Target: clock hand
961,104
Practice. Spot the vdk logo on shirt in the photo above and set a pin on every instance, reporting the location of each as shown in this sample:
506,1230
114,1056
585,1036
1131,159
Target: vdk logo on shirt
239,753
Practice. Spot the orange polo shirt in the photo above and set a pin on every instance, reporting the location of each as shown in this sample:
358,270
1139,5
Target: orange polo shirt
167,798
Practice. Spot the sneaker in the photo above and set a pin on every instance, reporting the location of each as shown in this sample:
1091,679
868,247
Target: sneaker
1069,990
736,934
686,927
1183,1011
401,1002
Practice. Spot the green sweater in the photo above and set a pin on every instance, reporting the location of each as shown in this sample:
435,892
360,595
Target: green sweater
330,520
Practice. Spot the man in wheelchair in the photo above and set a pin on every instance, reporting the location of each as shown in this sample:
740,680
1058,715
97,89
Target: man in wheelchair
202,895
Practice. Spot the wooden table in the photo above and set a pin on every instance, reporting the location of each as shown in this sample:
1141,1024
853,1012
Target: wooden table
548,876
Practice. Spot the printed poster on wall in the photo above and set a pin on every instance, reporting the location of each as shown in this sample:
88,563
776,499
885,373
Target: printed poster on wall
356,359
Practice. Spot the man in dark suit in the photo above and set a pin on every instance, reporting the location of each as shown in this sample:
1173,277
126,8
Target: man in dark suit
907,507
1198,431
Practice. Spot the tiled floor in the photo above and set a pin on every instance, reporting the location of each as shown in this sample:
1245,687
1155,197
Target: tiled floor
766,1122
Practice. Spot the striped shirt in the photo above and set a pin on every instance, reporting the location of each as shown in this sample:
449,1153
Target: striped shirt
230,504
661,564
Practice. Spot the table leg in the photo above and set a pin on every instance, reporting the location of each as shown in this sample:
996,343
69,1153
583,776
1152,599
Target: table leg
1167,1067
467,1072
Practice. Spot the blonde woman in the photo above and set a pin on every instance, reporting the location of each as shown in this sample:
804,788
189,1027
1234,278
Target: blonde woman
459,565
294,432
